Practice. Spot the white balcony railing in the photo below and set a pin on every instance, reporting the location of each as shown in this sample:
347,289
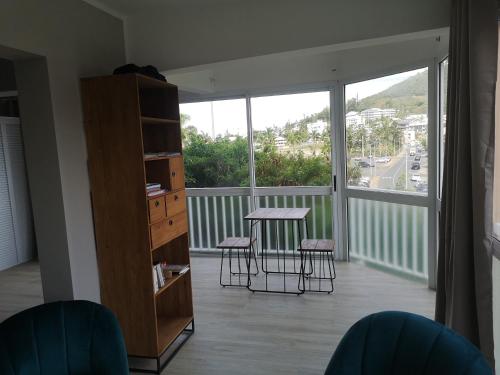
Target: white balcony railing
218,213
389,235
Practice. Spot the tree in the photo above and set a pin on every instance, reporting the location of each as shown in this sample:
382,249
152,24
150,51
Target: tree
352,105
223,162
353,174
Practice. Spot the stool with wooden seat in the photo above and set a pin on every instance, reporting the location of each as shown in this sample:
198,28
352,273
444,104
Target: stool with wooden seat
231,245
318,256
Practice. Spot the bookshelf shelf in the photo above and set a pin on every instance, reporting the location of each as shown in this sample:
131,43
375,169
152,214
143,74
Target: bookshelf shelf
157,196
141,116
158,121
169,329
170,282
155,158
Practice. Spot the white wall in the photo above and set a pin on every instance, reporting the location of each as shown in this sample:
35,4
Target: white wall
205,32
496,311
73,39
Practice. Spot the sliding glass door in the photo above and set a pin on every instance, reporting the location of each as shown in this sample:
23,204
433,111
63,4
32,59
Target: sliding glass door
389,164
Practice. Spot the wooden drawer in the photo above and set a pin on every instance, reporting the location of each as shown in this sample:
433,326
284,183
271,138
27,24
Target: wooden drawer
176,172
176,202
157,209
168,229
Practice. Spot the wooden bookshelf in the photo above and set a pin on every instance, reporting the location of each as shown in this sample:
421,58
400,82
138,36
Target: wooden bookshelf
125,117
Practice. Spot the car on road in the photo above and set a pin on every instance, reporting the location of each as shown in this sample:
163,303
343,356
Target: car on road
415,166
413,151
415,178
422,187
366,164
383,159
417,158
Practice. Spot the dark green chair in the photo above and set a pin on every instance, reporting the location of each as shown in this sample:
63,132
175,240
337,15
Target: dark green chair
74,337
402,343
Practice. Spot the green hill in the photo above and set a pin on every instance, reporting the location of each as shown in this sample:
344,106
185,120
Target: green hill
407,97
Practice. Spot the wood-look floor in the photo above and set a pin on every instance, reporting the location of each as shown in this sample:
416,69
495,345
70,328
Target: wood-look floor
238,332
20,288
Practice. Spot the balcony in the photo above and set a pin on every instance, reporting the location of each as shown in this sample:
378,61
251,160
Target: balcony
365,163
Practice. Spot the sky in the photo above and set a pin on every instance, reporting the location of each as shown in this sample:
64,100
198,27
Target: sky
229,116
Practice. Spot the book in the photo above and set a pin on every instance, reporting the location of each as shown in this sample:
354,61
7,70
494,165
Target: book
159,275
152,186
155,193
176,269
155,280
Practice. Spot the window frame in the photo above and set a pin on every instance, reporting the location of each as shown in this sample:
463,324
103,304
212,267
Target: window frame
340,194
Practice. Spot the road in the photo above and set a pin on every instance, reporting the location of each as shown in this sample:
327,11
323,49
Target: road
387,175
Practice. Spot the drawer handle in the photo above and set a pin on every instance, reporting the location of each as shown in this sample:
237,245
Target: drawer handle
157,203
173,174
176,197
170,222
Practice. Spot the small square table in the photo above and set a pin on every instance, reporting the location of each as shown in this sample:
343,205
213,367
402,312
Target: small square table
296,216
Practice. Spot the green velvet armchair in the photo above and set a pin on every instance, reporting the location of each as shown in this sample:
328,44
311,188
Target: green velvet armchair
394,342
74,337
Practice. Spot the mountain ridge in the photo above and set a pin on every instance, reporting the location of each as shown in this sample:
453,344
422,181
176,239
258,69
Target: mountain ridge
407,97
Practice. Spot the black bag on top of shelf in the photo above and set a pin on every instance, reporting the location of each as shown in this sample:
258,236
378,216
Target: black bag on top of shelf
148,70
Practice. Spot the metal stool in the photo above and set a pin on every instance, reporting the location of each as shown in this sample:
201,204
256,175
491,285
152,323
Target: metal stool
319,253
238,244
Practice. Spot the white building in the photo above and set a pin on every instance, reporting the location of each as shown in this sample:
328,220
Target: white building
371,114
280,142
354,119
417,123
409,136
318,127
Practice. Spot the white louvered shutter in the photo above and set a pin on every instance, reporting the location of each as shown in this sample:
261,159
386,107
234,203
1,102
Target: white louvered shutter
8,253
19,192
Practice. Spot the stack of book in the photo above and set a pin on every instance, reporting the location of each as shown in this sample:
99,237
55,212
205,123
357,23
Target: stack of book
163,271
154,189
174,269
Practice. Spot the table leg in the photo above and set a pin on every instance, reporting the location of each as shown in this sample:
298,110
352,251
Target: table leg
301,258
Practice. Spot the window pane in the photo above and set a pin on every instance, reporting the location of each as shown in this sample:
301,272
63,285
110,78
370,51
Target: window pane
292,139
443,92
215,147
386,132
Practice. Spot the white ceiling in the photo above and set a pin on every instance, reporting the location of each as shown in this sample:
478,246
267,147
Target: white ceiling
311,68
